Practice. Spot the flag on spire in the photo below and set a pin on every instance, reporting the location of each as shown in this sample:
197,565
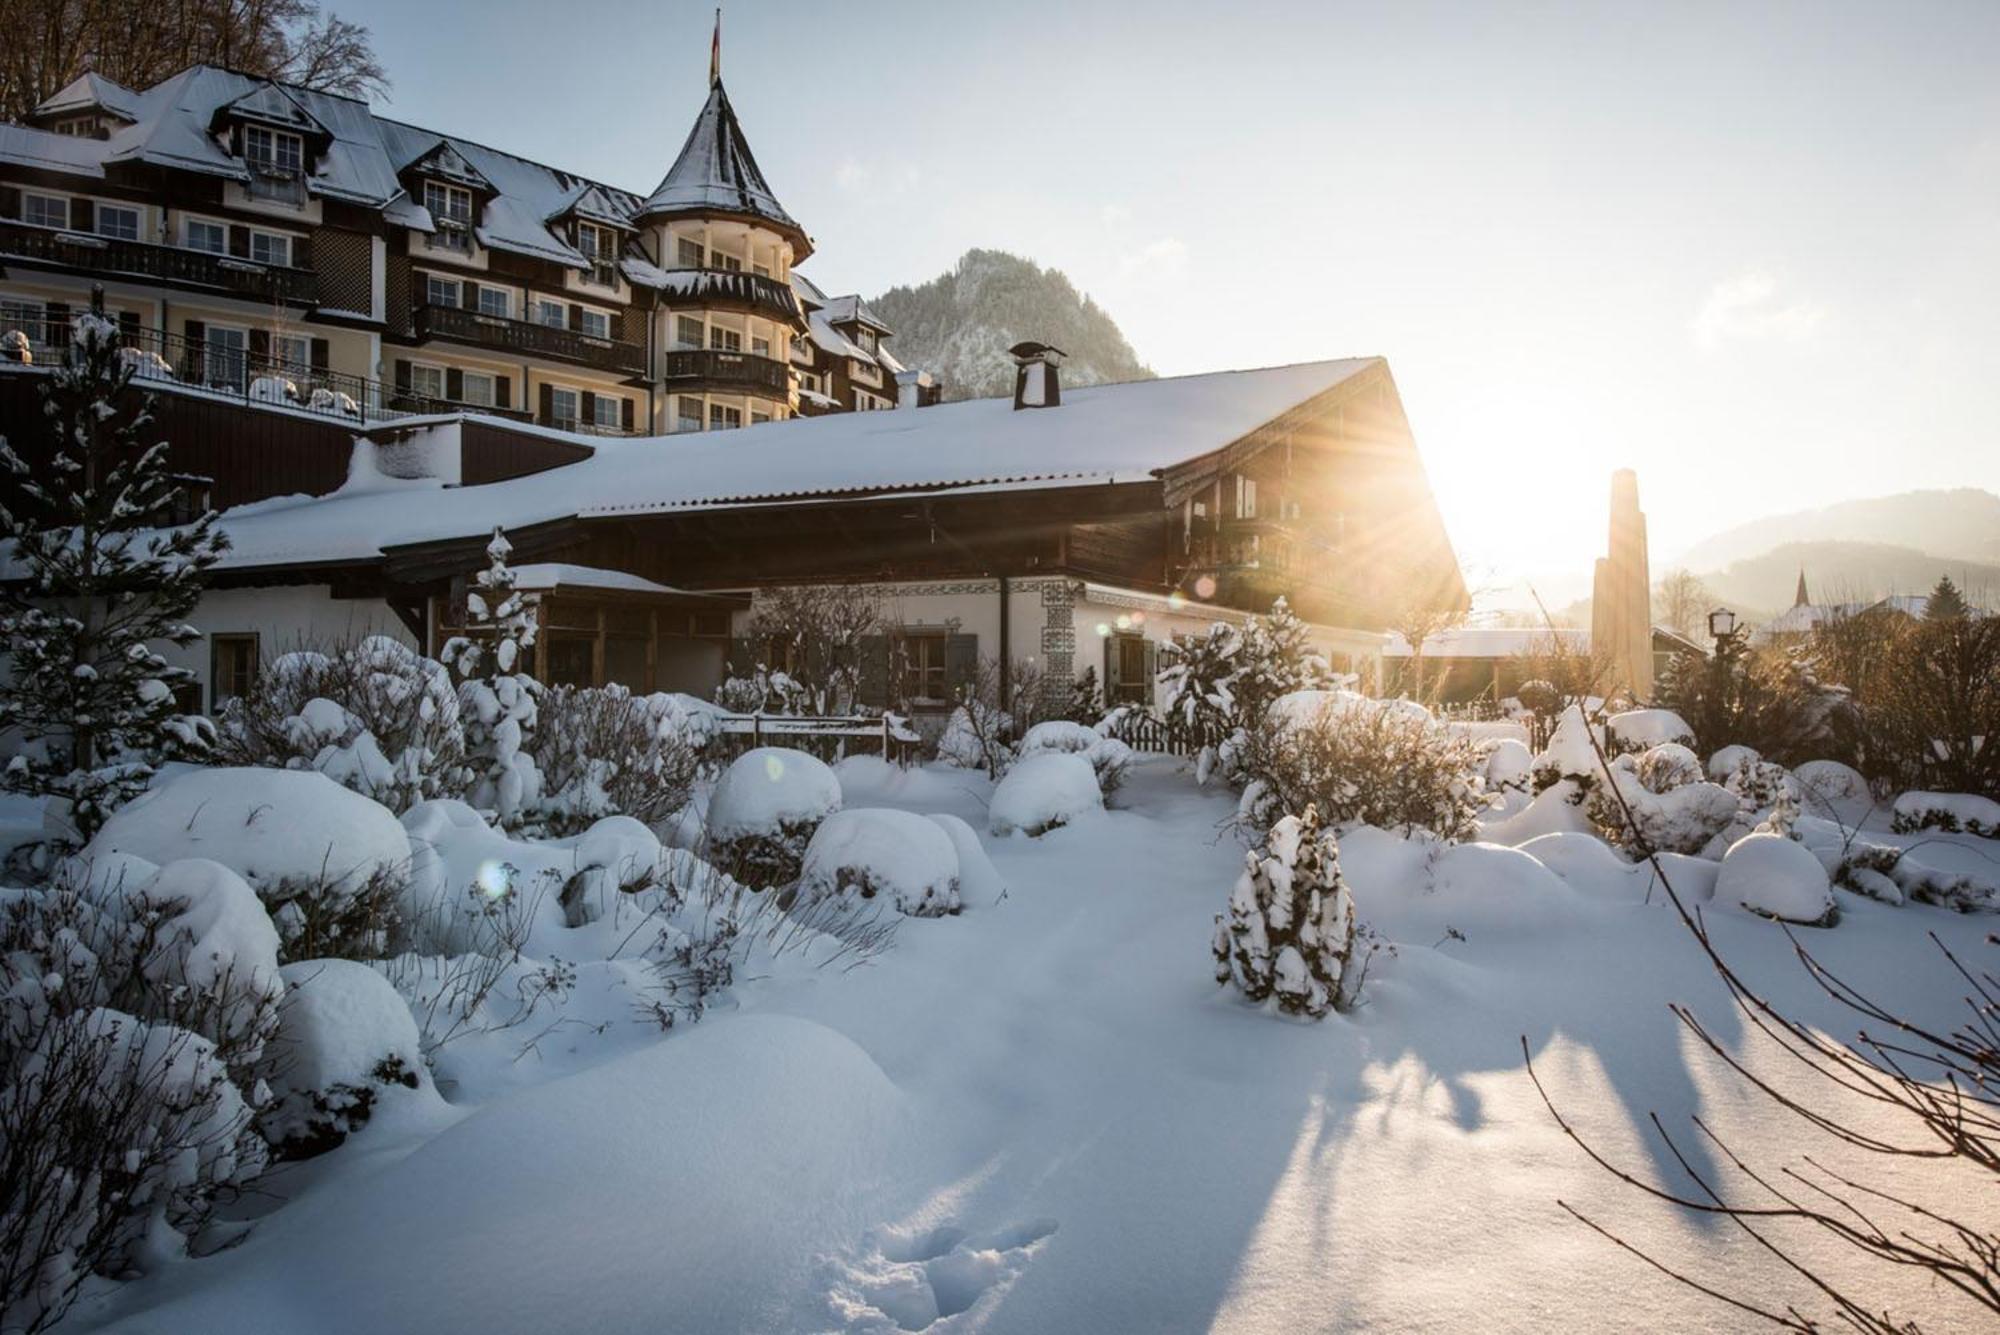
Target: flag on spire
715,51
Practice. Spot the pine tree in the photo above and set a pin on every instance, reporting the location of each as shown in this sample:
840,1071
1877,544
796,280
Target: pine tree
1289,933
96,583
1946,602
498,703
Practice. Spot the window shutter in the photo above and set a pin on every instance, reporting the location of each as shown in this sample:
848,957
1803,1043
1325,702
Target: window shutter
1112,681
454,384
1152,666
961,662
196,334
548,404
502,392
302,252
468,295
625,414
319,354
82,215
586,411
575,316
128,326
239,241
872,671
55,316
260,345
402,375
10,201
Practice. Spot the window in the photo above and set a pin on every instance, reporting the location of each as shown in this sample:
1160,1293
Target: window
761,346
761,270
116,221
476,389
593,241
232,666
227,355
606,410
923,667
687,332
427,380
594,323
721,417
292,352
270,248
440,291
273,150
810,382
448,204
79,127
724,340
45,210
554,314
866,338
496,301
718,260
562,407
687,254
757,418
201,234
26,316
687,412
1246,498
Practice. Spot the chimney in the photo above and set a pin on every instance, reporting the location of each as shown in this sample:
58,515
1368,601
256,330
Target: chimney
915,389
1037,382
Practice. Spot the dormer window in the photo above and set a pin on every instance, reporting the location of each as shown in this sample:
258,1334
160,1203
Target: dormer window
599,245
866,338
450,207
274,151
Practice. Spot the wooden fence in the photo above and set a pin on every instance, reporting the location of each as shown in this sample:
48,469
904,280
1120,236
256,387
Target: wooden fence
828,736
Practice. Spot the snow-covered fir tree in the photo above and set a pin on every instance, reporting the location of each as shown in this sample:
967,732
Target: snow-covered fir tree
1220,684
497,702
1289,934
97,584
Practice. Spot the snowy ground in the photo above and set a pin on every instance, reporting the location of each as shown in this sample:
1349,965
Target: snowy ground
1043,1116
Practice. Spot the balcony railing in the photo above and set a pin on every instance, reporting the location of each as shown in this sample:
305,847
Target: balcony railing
283,185
88,253
458,325
734,288
735,370
171,362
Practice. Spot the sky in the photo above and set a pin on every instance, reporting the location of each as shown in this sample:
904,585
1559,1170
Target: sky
1750,250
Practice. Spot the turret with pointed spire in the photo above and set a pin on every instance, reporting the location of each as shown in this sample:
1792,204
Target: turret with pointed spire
1801,600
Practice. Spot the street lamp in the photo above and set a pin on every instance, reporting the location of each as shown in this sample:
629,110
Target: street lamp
1721,623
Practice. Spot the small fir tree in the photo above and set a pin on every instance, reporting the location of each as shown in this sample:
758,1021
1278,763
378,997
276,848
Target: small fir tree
1289,934
497,702
1946,602
97,582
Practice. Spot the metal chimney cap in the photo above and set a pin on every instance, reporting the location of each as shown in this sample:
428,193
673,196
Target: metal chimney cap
1031,351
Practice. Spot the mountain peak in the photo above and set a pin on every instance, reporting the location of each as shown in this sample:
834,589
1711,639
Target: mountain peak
959,325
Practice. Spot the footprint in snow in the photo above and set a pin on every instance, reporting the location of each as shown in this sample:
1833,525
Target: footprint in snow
929,1278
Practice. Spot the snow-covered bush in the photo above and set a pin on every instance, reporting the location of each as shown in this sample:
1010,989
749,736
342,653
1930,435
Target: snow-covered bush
1777,877
979,883
329,865
1672,810
600,751
1509,766
1946,811
1832,789
975,737
1288,936
862,853
1758,784
1725,762
1643,729
1108,756
1043,792
94,587
374,716
496,701
344,1038
1571,752
616,854
1363,761
764,811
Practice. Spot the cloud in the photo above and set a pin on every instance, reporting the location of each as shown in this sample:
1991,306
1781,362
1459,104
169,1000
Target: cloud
1163,258
1748,307
855,177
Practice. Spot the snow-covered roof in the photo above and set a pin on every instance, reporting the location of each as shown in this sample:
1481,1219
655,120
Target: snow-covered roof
1100,434
1487,641
45,150
717,171
853,310
807,291
832,340
550,576
91,92
1802,618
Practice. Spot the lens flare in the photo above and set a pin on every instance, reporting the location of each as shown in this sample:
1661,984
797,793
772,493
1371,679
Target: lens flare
494,878
774,768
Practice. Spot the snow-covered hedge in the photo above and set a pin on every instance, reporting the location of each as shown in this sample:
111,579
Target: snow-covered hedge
1829,788
1671,809
1777,877
979,883
1288,937
1571,753
1042,792
602,751
1382,763
328,864
1643,729
1108,756
866,853
344,1037
764,811
1953,812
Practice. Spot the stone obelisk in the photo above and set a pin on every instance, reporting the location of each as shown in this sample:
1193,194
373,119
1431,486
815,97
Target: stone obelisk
1621,600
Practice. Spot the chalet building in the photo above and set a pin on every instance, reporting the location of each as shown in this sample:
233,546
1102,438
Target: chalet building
1059,539
294,247
844,364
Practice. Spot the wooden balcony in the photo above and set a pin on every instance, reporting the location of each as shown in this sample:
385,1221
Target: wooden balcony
197,270
734,289
520,338
742,372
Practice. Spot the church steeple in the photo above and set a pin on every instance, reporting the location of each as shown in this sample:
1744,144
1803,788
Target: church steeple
1801,600
717,176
